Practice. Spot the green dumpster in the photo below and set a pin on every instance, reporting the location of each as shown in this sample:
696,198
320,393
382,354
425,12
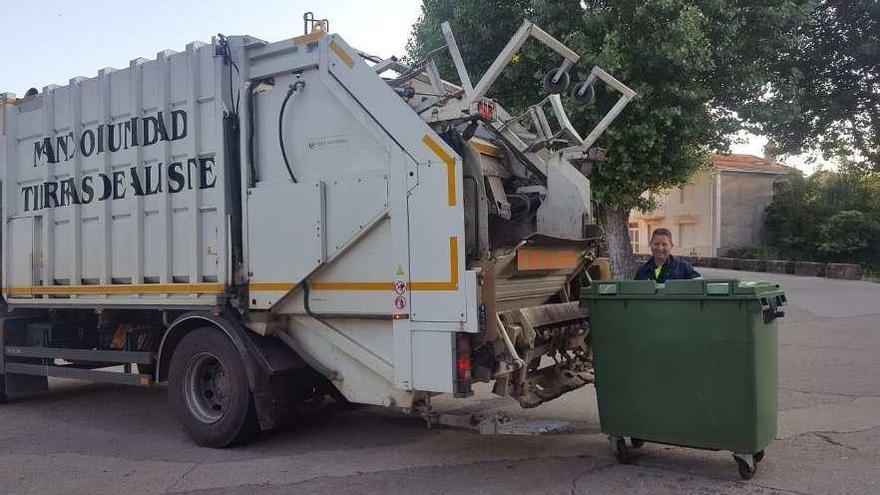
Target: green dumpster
690,363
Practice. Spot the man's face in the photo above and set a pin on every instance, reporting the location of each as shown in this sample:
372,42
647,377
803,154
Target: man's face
661,246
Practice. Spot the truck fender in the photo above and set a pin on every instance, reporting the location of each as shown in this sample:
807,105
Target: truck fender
264,358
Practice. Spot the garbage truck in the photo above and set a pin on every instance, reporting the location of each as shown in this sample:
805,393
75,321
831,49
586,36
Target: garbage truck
263,224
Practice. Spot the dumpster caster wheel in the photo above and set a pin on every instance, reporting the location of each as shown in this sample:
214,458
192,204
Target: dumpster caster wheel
555,88
746,470
621,453
759,456
636,443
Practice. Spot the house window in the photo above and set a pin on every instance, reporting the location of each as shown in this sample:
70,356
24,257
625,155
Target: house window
634,236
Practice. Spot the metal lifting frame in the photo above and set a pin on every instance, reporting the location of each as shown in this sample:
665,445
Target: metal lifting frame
626,94
525,31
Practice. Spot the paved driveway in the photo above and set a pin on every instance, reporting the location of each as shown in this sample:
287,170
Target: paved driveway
104,439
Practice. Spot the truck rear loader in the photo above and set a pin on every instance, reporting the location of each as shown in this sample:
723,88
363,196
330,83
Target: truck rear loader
261,224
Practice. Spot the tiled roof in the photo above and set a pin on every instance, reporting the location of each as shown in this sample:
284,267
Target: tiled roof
748,163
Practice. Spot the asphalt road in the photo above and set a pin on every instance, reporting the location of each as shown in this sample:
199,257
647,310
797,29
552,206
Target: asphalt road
105,439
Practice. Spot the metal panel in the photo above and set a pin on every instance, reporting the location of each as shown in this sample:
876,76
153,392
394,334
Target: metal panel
286,237
353,204
124,174
567,204
80,354
432,360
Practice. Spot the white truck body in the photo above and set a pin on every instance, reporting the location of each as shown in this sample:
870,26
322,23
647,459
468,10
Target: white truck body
292,185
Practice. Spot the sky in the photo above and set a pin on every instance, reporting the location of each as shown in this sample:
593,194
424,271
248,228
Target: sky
63,39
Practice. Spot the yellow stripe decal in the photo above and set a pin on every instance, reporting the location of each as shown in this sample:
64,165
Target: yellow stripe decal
346,58
450,167
352,286
451,284
486,148
271,286
24,290
308,38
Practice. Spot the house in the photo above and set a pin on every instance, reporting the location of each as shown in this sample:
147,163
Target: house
720,209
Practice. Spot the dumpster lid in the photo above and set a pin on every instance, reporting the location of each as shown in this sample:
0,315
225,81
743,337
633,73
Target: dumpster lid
749,289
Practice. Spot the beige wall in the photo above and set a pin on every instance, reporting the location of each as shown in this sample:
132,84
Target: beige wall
689,213
686,211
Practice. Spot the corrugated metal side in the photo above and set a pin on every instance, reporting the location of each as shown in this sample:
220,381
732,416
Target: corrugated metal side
114,187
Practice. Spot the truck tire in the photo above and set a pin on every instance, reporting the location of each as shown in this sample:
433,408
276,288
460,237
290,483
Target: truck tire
208,389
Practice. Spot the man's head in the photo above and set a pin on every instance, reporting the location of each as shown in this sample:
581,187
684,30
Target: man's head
661,245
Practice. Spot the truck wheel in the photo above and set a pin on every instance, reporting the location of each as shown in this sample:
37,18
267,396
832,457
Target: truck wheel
208,388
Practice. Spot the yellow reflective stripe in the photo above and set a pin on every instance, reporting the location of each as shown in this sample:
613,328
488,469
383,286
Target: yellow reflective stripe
269,286
486,148
309,38
346,58
24,290
451,284
450,167
352,286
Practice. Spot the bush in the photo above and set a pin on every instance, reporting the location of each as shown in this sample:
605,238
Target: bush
849,236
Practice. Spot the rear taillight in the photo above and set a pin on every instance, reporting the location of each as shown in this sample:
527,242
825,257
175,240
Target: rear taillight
487,110
462,365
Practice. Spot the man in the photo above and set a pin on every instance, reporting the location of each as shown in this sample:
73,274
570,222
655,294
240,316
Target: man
663,266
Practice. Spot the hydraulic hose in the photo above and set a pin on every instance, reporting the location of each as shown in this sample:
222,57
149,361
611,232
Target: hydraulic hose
294,88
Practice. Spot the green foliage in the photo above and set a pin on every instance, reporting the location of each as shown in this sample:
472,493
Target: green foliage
848,234
825,91
691,62
830,216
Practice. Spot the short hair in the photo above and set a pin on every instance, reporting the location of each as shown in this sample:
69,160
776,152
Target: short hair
662,231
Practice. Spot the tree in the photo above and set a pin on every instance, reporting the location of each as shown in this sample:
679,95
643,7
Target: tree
825,93
790,224
691,63
829,216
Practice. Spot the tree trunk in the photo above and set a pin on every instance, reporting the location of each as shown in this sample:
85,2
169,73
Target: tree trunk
615,223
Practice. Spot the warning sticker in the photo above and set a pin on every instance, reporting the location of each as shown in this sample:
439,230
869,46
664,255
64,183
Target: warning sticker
399,286
400,302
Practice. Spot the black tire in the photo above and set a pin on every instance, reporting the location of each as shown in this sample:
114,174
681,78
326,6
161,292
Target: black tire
208,389
637,443
746,472
557,87
3,397
759,456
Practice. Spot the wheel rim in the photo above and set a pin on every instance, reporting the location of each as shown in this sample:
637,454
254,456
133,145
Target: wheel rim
207,387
